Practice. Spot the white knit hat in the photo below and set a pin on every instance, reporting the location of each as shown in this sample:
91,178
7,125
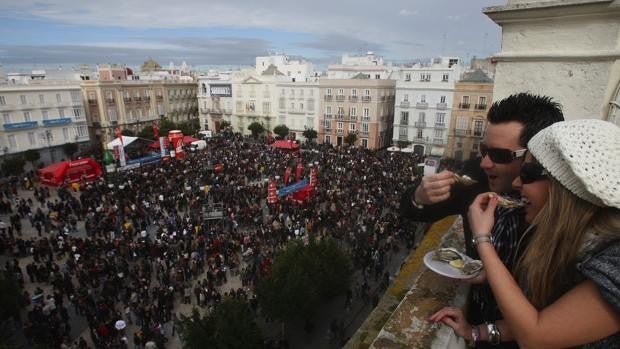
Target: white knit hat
584,156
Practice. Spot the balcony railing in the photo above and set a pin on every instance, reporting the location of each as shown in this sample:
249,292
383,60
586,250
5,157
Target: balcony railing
92,101
478,134
364,133
109,100
327,129
353,117
327,116
366,98
464,105
328,98
147,98
438,141
340,116
420,124
159,98
421,105
340,131
137,99
459,132
365,118
204,110
340,97
402,137
404,104
127,100
442,106
352,98
440,125
480,106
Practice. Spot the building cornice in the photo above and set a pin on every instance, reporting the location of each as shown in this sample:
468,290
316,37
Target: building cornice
527,12
595,55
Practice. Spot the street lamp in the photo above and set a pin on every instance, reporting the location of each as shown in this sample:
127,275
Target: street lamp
48,137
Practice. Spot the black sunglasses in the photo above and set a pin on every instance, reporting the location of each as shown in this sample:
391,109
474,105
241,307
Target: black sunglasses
501,156
532,172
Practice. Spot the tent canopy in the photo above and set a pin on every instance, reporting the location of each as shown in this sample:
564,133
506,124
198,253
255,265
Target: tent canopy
127,140
284,144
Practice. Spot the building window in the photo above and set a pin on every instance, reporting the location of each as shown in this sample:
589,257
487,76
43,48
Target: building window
58,98
353,92
75,96
12,141
61,112
301,106
328,110
112,114
377,76
425,77
440,118
239,107
327,124
310,122
365,127
22,98
365,142
7,118
65,133
292,92
82,131
442,99
438,134
421,117
402,132
41,99
419,133
366,112
77,113
328,139
352,127
406,97
281,103
423,99
478,128
475,146
353,111
2,100
329,92
465,99
310,104
44,114
445,77
292,106
461,123
27,116
404,118
366,92
31,139
407,77
339,125
266,107
459,144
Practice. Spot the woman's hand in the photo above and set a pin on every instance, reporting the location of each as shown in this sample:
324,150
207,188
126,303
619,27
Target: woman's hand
454,318
482,214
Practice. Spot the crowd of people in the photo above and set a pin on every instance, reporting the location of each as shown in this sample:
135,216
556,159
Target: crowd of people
150,247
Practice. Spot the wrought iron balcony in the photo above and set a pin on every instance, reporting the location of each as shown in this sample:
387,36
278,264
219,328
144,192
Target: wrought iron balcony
404,104
420,124
421,105
442,106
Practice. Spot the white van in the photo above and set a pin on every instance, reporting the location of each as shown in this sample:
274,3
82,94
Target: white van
197,145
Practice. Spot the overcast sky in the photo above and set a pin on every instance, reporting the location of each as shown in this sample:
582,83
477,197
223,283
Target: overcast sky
231,33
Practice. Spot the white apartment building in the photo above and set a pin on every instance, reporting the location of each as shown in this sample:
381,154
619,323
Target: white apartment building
298,106
254,98
423,104
295,68
370,65
215,101
42,115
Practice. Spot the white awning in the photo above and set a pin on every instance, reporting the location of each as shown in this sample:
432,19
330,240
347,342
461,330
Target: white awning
126,141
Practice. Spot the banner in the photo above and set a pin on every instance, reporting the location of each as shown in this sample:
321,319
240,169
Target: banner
162,146
295,187
155,129
287,174
272,192
313,178
299,171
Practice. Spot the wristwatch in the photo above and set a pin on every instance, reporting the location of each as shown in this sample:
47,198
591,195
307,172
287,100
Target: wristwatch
495,337
482,238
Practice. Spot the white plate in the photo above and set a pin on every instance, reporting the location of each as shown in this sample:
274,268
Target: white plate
445,269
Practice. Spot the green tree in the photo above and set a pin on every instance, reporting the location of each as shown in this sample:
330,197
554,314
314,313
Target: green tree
32,155
146,133
230,325
302,277
403,144
70,148
13,166
281,131
165,126
310,134
256,128
224,124
189,127
350,138
127,132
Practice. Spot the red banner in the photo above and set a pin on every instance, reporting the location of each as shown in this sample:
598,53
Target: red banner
287,175
313,178
272,192
155,130
299,171
119,135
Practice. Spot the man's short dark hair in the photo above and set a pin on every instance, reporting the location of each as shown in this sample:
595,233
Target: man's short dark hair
535,112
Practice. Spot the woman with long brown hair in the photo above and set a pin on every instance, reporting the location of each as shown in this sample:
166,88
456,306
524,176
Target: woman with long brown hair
565,291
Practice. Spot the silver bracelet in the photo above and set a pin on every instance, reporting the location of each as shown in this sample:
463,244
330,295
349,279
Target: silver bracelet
495,337
482,238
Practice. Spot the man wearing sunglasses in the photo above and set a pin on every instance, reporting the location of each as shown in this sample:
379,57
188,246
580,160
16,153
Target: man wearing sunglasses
511,123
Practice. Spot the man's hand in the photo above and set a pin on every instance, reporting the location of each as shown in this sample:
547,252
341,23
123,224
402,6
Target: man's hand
434,188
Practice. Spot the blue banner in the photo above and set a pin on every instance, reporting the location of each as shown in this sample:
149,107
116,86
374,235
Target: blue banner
20,125
144,160
293,188
57,122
